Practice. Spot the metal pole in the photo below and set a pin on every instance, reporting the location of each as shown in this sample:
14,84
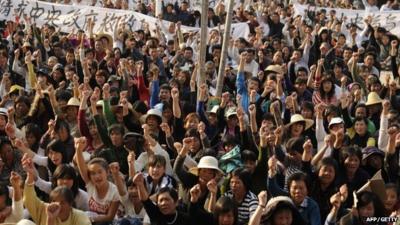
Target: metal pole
203,45
225,44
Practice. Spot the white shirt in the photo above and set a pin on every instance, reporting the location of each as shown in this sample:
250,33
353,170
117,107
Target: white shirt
101,205
252,68
17,212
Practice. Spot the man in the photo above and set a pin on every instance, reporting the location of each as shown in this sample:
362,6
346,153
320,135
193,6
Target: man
251,65
253,84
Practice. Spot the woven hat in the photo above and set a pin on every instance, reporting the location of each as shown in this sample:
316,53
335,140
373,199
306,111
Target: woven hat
299,118
72,102
274,68
100,36
373,98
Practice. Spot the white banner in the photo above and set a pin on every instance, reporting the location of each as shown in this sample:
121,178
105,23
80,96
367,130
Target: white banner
67,17
390,20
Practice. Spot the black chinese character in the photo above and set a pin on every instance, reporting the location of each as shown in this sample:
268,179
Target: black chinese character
53,16
72,19
21,8
36,12
5,7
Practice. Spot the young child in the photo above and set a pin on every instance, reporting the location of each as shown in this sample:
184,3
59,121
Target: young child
103,195
156,178
392,198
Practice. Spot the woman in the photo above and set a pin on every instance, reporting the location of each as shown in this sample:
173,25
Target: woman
206,170
278,211
359,135
326,92
349,159
164,211
225,210
368,205
66,175
323,183
297,126
240,185
54,212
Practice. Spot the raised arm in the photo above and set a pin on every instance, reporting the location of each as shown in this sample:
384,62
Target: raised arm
176,108
80,145
262,203
114,168
106,106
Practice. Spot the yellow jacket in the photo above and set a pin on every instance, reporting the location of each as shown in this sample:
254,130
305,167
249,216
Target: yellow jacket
37,210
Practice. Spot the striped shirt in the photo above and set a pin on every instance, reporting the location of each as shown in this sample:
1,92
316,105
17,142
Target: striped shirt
247,207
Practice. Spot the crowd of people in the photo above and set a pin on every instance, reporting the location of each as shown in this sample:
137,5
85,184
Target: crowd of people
118,129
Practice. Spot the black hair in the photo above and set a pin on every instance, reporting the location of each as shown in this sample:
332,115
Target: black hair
63,95
308,105
117,128
62,124
225,205
244,175
56,146
366,197
363,119
229,140
65,171
296,143
248,155
33,129
156,160
298,176
171,191
329,94
165,87
347,152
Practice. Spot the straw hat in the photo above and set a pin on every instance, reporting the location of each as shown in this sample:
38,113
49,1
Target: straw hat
373,98
99,36
299,118
72,102
274,68
206,162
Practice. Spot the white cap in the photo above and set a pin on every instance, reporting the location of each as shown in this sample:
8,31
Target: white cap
3,111
335,120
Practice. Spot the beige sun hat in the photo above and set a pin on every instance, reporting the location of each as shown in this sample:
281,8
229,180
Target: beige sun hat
373,98
274,68
206,162
72,102
299,118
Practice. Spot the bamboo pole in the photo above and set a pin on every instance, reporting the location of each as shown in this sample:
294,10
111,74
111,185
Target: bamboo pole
225,44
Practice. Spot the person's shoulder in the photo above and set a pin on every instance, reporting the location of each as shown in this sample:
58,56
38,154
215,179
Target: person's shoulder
79,217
